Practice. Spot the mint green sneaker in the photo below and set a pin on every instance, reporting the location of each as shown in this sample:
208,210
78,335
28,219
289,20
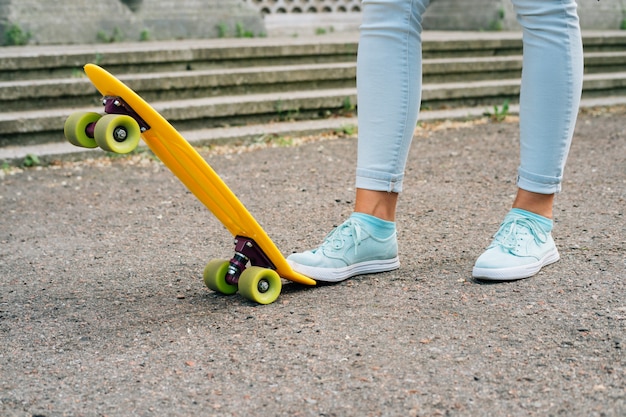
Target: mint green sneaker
521,247
347,251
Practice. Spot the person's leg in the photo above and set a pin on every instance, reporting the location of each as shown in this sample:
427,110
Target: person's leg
389,91
389,74
389,83
549,101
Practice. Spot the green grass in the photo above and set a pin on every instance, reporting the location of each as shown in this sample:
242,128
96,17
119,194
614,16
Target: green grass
31,160
499,113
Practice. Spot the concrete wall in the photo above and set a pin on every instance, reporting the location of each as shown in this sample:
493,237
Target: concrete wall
167,19
470,15
602,14
286,17
500,15
64,22
92,21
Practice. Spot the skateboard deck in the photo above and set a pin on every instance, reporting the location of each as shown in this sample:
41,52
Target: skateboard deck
128,117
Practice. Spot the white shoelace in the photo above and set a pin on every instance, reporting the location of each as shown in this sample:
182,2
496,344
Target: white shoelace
337,238
513,230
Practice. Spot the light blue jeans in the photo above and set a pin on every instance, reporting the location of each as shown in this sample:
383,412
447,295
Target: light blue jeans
389,80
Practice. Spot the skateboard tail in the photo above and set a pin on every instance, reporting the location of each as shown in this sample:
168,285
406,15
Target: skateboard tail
220,200
201,180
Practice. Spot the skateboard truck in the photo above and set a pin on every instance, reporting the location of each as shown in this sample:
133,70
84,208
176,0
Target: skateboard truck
115,105
246,250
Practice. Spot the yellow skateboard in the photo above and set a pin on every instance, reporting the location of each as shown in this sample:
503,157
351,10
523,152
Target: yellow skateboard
257,265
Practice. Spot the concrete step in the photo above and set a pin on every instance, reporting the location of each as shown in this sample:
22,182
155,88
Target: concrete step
437,70
261,133
237,82
77,91
43,125
46,62
50,62
477,93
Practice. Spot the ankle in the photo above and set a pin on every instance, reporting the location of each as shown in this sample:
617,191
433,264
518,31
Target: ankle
380,204
540,204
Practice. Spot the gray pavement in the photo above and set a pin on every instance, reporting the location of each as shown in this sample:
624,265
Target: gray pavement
103,311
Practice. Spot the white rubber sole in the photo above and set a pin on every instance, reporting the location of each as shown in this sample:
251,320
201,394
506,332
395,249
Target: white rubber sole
341,274
517,272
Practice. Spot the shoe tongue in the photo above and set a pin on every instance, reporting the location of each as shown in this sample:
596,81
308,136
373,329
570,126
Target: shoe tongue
545,223
374,226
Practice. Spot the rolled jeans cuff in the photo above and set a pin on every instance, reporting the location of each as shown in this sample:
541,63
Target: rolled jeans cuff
379,181
539,184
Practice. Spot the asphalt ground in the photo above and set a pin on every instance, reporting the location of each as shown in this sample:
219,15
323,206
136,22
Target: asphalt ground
103,311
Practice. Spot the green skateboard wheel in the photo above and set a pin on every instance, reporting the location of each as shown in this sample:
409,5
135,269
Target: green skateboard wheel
76,127
260,285
215,277
117,133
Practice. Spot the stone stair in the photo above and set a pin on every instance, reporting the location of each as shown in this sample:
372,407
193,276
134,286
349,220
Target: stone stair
238,89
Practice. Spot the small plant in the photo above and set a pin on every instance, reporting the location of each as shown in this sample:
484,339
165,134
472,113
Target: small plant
348,105
116,36
499,113
622,25
348,130
144,36
222,30
31,160
498,23
15,36
242,32
320,31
